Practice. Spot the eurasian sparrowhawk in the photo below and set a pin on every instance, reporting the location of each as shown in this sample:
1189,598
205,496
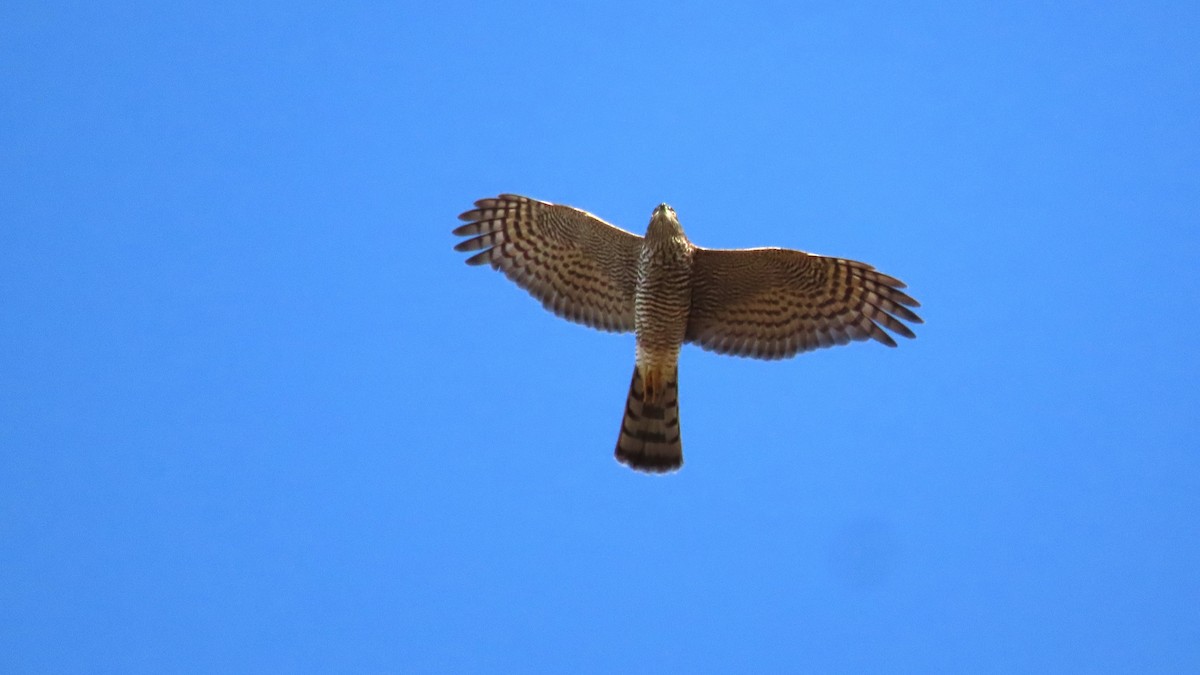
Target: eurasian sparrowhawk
767,303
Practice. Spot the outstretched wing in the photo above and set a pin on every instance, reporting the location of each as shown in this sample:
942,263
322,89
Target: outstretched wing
772,303
580,267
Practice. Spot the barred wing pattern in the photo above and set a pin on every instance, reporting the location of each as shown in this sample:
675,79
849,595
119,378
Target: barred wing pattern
772,303
579,267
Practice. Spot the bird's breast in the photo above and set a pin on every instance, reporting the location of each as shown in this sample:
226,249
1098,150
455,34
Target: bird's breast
664,293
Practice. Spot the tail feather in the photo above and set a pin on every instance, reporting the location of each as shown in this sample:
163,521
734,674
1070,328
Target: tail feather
649,438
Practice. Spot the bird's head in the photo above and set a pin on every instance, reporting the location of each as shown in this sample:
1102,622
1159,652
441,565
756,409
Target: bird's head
664,222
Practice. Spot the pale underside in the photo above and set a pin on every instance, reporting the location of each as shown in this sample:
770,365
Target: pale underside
766,303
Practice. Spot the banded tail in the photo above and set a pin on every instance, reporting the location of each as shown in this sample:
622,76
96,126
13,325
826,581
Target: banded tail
649,439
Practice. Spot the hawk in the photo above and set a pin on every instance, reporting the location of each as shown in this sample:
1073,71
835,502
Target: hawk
766,303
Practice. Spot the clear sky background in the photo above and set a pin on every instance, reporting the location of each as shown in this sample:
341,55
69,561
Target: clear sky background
256,415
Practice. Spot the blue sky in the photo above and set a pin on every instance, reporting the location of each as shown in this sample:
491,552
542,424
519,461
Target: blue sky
256,415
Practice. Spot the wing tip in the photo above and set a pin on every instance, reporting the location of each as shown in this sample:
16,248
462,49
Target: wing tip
481,258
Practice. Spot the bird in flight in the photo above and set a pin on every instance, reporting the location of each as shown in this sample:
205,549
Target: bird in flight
765,303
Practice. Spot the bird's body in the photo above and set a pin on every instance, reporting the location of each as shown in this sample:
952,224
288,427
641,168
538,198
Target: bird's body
764,303
650,430
663,297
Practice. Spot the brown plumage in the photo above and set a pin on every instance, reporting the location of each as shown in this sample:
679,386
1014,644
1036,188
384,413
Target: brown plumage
649,439
767,303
